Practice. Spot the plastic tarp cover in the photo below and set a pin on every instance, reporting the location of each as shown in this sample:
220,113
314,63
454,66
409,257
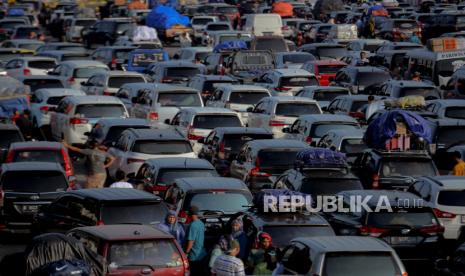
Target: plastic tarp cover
320,158
9,106
164,17
231,45
283,8
13,96
48,248
384,127
16,12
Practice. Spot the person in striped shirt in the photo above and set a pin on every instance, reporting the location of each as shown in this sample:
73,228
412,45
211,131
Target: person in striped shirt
228,264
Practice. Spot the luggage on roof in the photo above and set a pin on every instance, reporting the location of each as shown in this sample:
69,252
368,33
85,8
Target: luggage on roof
320,158
230,46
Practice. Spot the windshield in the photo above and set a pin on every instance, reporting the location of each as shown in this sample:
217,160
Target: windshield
54,156
134,213
117,82
448,135
213,121
182,72
329,186
115,131
159,253
9,136
328,95
30,46
329,69
331,52
179,99
353,145
456,112
201,21
277,157
271,44
282,234
162,147
44,83
226,201
297,58
250,98
319,130
212,85
72,48
84,23
412,218
144,59
41,64
429,92
100,110
34,181
54,100
298,81
296,109
88,72
369,78
360,264
167,176
452,198
407,167
234,142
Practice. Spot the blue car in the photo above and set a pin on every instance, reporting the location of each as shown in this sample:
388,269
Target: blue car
140,59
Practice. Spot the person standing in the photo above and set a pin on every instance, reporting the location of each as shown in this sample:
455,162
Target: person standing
25,125
194,246
237,233
257,255
172,227
228,264
459,168
121,181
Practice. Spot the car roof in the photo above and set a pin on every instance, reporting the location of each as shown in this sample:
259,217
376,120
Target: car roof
32,58
177,63
365,69
276,143
38,77
120,73
447,102
243,87
207,183
36,145
214,77
325,88
410,83
23,41
161,87
291,99
327,62
448,181
83,63
63,52
109,122
31,166
242,130
113,194
292,72
393,196
328,118
447,122
60,92
347,133
180,162
125,232
199,48
358,97
345,244
155,134
8,127
209,110
91,99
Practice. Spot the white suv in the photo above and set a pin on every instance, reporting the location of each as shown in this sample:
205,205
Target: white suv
286,82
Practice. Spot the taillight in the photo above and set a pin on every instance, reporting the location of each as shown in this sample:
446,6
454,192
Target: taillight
276,123
26,72
71,80
113,63
432,230
166,80
442,214
106,93
256,171
282,89
44,109
153,116
68,168
100,222
372,231
222,70
375,183
221,151
78,121
9,157
357,115
308,140
134,160
191,135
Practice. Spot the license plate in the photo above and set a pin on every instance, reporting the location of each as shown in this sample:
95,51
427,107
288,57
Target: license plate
463,218
403,240
30,208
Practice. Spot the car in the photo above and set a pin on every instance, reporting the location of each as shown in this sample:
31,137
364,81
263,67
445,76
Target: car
75,115
9,134
64,55
29,44
25,31
225,36
8,53
444,195
76,28
9,24
74,72
292,60
324,70
25,187
150,248
223,144
259,162
159,102
290,27
245,65
157,174
349,142
403,88
318,32
310,128
134,146
452,109
109,82
417,245
193,54
323,95
398,29
276,113
45,99
62,46
324,51
139,59
391,54
207,84
36,82
198,23
107,31
448,21
260,24
115,57
175,71
92,207
351,105
197,122
445,132
356,78
381,169
27,66
337,255
369,45
286,82
110,129
237,98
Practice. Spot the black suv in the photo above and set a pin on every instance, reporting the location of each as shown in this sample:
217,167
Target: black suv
378,169
105,32
9,133
25,187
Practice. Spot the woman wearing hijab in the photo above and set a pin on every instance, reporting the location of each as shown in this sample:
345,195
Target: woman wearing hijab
237,233
257,255
172,227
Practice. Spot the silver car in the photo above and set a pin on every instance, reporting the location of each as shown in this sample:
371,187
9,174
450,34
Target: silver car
109,82
75,72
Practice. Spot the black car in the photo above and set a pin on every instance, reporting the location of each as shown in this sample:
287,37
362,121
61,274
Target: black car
324,50
444,23
89,207
113,56
379,169
25,187
356,78
408,225
9,133
224,143
404,88
105,32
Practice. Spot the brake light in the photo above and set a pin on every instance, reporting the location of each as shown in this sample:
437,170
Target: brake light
113,63
308,140
191,135
371,231
432,230
165,80
71,80
357,115
256,171
375,183
44,109
276,123
442,214
9,157
100,222
222,71
153,116
106,93
134,160
221,152
78,121
282,89
67,163
26,72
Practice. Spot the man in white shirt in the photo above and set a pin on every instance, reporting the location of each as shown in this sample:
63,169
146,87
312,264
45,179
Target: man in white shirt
121,183
144,33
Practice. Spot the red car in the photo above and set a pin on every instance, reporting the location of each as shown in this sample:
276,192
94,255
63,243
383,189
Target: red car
324,69
43,152
132,250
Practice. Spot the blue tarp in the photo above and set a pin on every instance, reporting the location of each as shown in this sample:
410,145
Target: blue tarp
15,12
231,45
165,17
320,158
9,106
384,127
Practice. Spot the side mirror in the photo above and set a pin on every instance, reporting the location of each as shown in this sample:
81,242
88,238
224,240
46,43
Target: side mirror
286,130
201,141
83,83
324,108
167,121
249,109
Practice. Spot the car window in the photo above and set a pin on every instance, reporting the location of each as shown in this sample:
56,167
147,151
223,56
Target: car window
407,167
318,130
42,64
414,218
454,198
225,201
247,97
212,121
360,264
295,109
167,176
282,234
34,181
38,155
117,82
87,72
9,136
134,212
179,99
162,147
100,110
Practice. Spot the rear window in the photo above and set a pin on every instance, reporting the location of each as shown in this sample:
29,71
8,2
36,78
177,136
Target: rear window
162,147
100,110
452,198
407,167
213,121
282,234
42,64
247,97
255,59
296,109
34,181
44,83
353,146
9,136
429,92
218,200
182,72
212,85
117,82
331,52
329,69
54,100
358,106
72,48
167,176
369,78
85,23
329,186
159,253
88,72
360,264
277,157
413,218
274,44
122,54
179,99
39,155
134,213
298,81
456,112
448,135
74,57
234,142
319,130
26,31
201,21
328,95
115,131
218,27
297,58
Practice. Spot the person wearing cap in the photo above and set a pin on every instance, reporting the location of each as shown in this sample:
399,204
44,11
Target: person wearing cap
194,246
228,264
257,255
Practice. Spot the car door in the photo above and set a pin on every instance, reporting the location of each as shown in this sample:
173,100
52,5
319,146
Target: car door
144,103
119,153
239,166
296,259
207,148
56,120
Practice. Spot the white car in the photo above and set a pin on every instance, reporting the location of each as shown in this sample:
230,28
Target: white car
446,195
46,98
109,82
75,72
238,98
194,53
322,94
76,25
75,115
197,122
29,66
275,113
135,146
286,82
198,24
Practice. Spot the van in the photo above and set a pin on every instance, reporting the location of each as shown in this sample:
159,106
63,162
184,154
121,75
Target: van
263,24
